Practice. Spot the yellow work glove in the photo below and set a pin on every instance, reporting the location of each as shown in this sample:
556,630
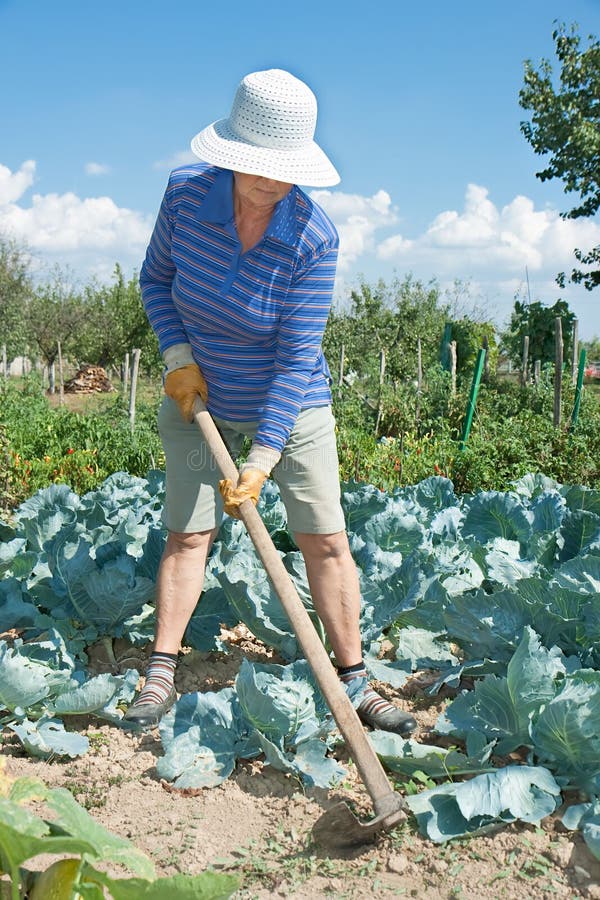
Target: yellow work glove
183,385
248,488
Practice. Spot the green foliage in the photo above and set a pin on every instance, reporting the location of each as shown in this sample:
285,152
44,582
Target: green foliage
45,445
539,322
470,336
116,323
395,318
15,287
54,313
389,317
97,324
565,127
25,834
592,349
512,433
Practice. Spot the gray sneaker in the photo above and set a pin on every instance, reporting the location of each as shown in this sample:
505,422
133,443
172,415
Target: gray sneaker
147,715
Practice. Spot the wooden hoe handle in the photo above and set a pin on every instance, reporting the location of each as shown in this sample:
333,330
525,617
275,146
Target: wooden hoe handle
369,767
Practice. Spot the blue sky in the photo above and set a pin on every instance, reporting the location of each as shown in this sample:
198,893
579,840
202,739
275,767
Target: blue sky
418,109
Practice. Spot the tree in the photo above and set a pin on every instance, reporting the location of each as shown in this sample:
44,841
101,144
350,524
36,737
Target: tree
390,317
470,337
15,288
566,126
54,313
538,322
592,349
116,323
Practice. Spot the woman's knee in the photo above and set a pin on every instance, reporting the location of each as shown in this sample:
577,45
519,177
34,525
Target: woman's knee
324,546
196,540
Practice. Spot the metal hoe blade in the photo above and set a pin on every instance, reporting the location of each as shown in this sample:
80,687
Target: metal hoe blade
339,827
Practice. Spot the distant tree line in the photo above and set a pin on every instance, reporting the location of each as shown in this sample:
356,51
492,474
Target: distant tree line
96,324
409,320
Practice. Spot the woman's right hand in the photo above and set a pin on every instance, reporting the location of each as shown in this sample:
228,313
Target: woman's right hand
183,385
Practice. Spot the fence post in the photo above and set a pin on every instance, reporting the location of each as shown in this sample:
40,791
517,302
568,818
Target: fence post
537,371
4,363
380,403
61,383
472,398
558,364
452,348
125,375
575,350
134,377
524,360
485,343
51,378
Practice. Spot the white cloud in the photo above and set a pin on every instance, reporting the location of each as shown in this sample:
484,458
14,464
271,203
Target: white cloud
182,158
356,218
94,168
14,184
490,247
89,233
498,242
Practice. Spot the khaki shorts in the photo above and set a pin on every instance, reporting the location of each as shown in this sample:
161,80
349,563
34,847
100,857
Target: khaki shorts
307,474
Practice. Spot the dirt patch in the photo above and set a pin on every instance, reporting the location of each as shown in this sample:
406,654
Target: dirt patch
257,824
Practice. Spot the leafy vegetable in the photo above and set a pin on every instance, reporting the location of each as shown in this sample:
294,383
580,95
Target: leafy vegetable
501,588
470,807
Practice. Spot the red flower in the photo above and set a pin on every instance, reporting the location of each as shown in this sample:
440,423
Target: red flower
70,450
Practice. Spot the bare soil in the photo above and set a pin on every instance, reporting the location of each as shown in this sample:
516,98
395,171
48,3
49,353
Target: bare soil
258,823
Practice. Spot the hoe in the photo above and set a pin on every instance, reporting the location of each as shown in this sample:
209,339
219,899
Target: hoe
338,826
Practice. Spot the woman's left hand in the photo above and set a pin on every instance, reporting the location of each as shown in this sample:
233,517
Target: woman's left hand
248,488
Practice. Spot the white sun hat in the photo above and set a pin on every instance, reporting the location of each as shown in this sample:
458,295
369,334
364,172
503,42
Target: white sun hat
270,132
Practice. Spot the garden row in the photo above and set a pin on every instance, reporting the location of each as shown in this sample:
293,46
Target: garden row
512,434
497,589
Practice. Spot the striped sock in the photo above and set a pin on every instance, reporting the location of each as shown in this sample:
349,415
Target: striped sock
160,675
372,702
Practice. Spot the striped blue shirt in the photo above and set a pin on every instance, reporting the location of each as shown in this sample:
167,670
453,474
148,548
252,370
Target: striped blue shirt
254,320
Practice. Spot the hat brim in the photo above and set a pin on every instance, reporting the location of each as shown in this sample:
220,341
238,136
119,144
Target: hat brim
218,145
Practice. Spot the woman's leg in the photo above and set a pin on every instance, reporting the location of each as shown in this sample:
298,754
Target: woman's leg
335,591
179,585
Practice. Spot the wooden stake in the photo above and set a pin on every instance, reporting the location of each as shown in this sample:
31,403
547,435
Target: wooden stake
537,371
486,366
4,363
132,393
380,403
61,383
574,358
51,378
452,346
524,360
125,374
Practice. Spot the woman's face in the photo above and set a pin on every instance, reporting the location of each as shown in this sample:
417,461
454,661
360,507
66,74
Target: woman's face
259,192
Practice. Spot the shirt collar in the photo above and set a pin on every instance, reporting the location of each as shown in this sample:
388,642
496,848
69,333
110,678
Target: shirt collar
217,207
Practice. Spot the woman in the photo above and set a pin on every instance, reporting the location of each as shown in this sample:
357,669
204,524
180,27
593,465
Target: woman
237,284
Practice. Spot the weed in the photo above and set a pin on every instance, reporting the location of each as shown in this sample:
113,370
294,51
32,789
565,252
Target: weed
97,740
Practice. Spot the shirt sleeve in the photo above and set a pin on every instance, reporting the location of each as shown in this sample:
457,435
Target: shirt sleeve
156,278
301,328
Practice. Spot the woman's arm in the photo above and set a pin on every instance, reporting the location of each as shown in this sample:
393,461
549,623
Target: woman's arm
301,328
156,278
